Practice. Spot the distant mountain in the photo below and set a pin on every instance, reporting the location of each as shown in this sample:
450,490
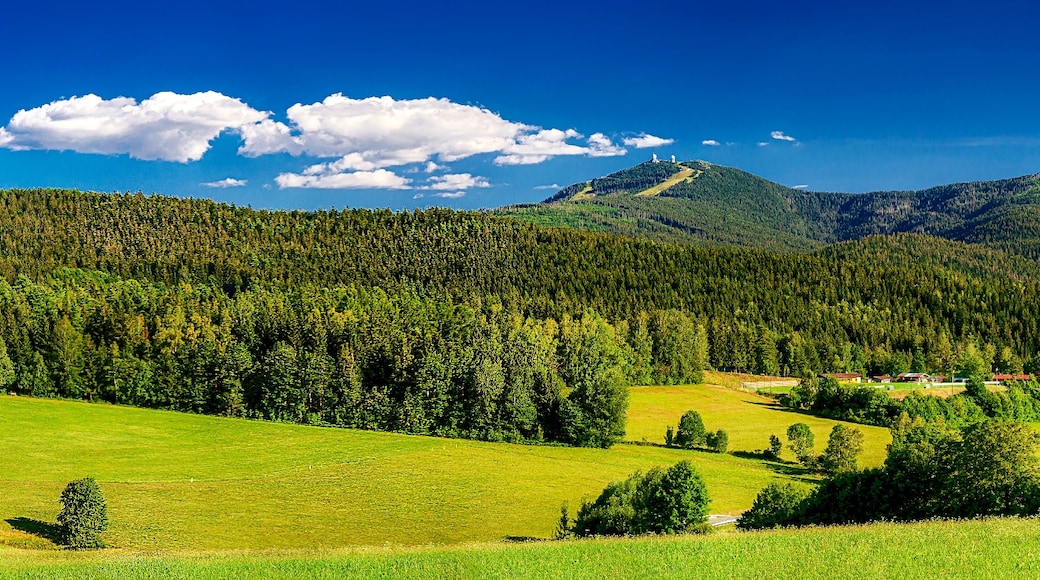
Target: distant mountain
700,202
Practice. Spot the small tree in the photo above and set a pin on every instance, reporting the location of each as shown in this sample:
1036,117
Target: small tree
83,515
691,431
843,448
669,437
718,441
775,446
776,505
801,440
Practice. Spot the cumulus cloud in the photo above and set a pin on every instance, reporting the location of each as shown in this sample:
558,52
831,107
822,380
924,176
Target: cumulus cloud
378,179
550,186
779,136
351,142
710,143
457,181
224,183
378,132
166,126
443,195
645,140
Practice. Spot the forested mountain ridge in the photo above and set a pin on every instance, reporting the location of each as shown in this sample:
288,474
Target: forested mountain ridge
460,323
723,205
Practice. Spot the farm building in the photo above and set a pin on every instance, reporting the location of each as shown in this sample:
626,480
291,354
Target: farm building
913,378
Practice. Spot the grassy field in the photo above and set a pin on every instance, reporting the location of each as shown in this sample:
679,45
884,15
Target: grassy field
999,548
177,481
748,419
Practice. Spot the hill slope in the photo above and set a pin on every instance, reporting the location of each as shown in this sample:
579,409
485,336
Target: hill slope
699,201
191,482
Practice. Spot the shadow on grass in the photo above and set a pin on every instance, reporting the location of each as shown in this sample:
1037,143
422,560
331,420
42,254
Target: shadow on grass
792,470
45,530
522,539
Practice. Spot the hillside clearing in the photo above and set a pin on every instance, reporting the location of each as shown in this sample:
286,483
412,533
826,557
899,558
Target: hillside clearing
683,175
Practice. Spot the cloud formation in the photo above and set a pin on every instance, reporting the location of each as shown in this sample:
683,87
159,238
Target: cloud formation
167,126
225,183
802,186
710,143
355,141
550,186
457,181
645,140
378,179
779,135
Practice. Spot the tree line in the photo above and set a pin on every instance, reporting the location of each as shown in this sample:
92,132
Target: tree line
343,356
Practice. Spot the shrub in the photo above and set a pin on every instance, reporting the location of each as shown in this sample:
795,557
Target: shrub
664,501
776,505
775,447
718,441
83,515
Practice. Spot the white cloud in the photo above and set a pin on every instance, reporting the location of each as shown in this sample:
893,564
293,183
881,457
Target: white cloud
763,144
166,126
779,135
710,143
378,179
352,141
645,140
443,195
379,132
550,186
457,181
224,183
601,146
802,186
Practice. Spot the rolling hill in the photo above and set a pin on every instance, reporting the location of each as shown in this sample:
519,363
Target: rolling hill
700,202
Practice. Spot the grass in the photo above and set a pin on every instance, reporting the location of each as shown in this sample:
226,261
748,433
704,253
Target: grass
190,482
230,497
747,418
996,548
683,174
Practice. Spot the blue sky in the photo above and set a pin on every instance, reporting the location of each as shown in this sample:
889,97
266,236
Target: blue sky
405,104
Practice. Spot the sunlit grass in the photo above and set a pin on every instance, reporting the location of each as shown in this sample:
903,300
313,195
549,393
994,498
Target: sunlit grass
999,548
181,481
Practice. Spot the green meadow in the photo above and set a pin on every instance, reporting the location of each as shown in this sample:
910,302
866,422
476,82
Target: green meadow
996,548
183,482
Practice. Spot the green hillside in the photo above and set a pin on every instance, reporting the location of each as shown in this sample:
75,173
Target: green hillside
723,205
191,482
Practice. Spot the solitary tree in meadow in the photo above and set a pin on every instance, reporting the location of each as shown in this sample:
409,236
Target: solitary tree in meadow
83,515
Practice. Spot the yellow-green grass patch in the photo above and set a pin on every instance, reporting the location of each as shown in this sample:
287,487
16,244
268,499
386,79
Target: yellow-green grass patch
684,173
995,548
176,481
747,418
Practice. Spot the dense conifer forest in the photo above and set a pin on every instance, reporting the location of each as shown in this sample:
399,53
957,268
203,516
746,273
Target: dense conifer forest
460,323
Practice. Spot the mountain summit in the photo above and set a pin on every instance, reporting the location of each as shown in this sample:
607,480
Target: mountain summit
697,201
